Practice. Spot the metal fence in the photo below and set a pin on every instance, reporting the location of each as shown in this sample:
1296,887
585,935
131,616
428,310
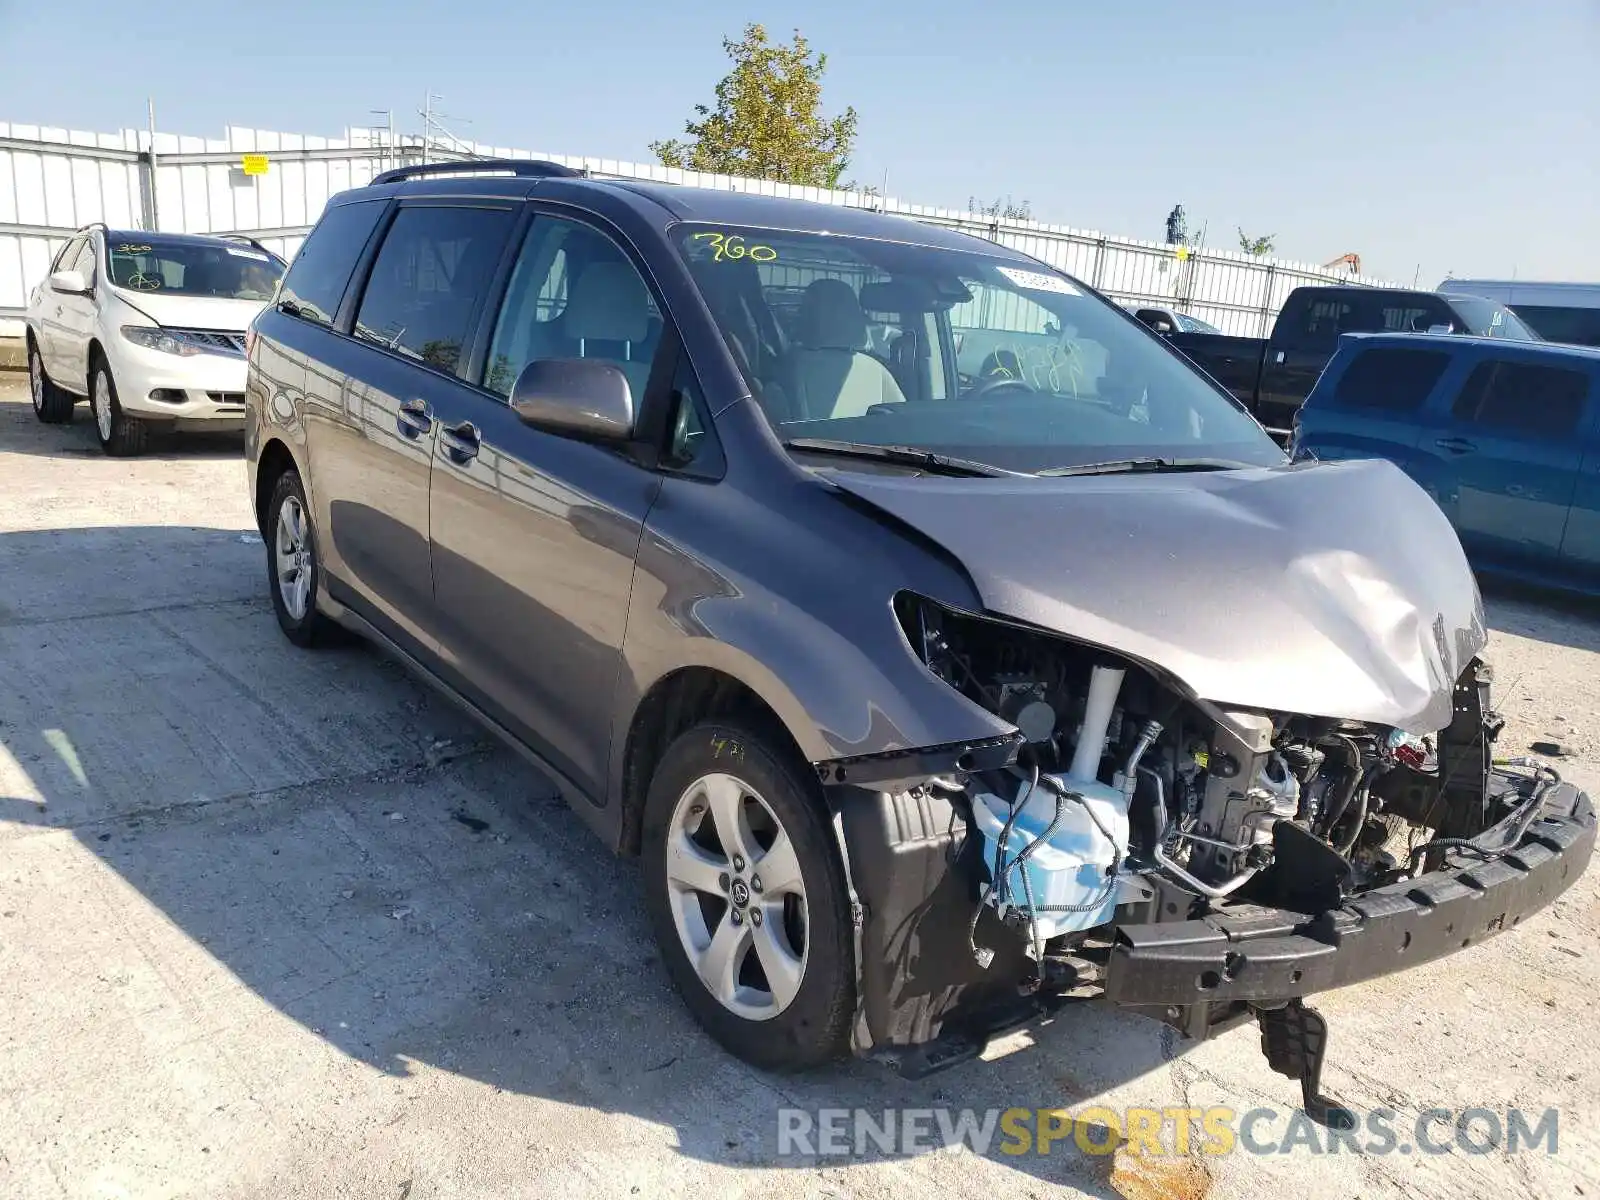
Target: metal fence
53,181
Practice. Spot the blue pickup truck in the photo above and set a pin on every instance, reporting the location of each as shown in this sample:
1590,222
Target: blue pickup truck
1504,435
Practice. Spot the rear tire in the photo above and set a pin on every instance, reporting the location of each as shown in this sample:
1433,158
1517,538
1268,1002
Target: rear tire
121,436
767,966
294,570
51,404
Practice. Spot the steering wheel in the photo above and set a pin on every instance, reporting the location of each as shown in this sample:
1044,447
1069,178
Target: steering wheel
996,383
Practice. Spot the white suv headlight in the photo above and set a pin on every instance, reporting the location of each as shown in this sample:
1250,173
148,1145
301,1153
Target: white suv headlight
159,339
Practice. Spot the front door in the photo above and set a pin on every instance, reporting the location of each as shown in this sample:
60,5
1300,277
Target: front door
534,536
77,320
52,311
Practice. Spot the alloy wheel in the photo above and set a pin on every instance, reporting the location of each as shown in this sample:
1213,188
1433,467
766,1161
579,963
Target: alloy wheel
291,556
737,898
36,379
102,405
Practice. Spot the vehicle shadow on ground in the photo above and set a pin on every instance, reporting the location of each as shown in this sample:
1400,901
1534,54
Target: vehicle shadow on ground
1543,614
22,433
408,905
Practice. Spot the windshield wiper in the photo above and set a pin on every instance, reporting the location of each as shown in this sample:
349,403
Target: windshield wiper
1132,466
910,456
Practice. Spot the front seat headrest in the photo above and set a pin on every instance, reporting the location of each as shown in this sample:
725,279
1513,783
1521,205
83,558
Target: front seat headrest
608,303
831,317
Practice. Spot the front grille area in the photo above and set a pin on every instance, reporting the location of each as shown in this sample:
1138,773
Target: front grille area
227,399
222,340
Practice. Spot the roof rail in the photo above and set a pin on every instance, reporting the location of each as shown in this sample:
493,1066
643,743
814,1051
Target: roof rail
247,240
532,167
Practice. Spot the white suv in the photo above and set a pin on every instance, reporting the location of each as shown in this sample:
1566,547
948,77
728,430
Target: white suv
150,327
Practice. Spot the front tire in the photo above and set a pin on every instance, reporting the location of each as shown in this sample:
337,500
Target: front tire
747,897
121,436
51,404
294,568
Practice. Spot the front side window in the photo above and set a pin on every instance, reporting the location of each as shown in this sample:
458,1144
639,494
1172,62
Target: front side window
85,262
1488,319
961,352
1555,323
316,282
426,281
573,294
1523,398
1394,381
172,266
68,254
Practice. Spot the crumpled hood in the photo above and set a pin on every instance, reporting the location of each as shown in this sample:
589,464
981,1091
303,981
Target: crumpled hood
193,312
1328,589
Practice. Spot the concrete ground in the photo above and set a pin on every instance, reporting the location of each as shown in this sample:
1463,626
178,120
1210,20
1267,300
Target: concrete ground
278,923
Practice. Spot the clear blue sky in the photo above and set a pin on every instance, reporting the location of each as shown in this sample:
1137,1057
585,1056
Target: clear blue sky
1457,137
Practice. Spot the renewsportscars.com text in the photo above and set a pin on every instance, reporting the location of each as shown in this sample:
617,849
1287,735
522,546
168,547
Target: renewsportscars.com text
853,1133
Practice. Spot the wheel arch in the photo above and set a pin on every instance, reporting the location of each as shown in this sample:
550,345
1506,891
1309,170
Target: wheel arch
272,463
676,703
94,353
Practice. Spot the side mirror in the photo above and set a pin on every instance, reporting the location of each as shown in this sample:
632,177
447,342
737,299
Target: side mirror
71,282
1441,328
1162,327
577,397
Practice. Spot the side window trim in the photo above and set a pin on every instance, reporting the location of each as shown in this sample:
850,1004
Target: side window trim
352,280
61,255
657,426
474,360
345,318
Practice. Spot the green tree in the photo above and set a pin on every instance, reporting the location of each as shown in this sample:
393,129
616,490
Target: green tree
1002,210
768,121
1259,246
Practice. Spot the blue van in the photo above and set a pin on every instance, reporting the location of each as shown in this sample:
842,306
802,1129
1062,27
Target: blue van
1504,435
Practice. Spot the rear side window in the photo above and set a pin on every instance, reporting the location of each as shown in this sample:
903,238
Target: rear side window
431,271
315,284
1390,380
1321,322
1413,315
1523,398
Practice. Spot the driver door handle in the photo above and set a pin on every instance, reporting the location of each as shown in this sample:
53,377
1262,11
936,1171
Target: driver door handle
413,418
1456,445
461,442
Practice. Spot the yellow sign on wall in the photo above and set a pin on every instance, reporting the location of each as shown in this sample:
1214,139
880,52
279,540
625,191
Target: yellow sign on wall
255,164
1183,253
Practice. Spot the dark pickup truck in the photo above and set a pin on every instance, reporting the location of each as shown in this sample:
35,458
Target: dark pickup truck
1273,376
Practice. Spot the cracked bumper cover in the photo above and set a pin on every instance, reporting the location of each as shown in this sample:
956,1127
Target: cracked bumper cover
1255,953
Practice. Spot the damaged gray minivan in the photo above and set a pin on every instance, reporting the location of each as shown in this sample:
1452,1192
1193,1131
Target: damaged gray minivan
947,646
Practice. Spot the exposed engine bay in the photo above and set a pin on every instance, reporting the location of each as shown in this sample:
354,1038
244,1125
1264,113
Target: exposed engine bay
1205,789
1139,839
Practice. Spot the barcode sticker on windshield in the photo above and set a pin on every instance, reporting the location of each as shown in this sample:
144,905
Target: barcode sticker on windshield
1038,281
248,254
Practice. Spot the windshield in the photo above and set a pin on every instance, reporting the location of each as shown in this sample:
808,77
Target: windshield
1190,324
961,353
1488,319
177,267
